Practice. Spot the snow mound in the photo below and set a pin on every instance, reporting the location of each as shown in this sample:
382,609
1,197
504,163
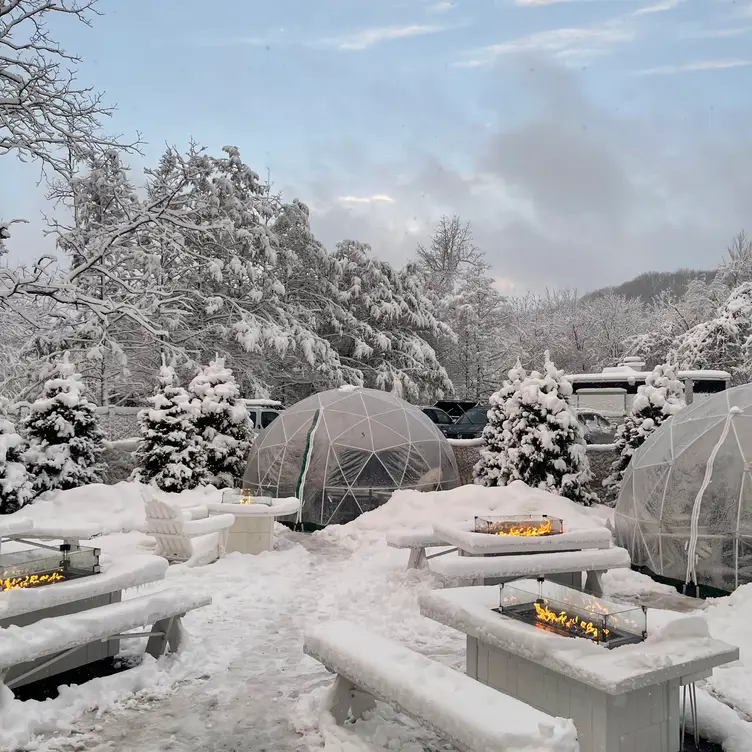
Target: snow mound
112,509
415,510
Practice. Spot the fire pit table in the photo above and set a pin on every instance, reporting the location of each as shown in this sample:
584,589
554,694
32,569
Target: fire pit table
572,655
253,530
541,538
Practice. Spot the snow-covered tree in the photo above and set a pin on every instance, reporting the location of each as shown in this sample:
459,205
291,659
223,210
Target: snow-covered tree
15,485
487,470
44,111
170,451
222,422
384,320
656,401
61,427
451,255
536,437
719,343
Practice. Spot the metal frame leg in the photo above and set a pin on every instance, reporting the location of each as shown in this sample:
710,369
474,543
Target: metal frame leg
690,689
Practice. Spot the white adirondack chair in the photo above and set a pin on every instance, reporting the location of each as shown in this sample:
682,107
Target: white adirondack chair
186,535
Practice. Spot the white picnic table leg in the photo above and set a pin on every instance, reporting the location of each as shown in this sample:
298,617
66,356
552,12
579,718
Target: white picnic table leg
346,697
168,633
417,558
593,583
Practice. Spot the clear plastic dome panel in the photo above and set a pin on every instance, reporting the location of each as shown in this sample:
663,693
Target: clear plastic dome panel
365,445
664,490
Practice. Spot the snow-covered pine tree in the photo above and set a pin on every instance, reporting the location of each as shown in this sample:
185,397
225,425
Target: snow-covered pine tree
15,486
539,440
222,422
170,452
488,469
65,440
661,397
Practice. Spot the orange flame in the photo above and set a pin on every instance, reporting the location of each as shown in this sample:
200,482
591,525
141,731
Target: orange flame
527,529
30,580
577,625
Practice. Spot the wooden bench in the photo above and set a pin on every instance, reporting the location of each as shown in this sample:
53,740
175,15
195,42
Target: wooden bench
175,531
471,715
29,650
417,541
491,570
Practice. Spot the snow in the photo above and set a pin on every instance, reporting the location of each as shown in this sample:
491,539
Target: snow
696,375
60,633
277,508
126,572
15,525
109,509
462,536
416,511
464,709
678,649
526,565
241,680
466,442
425,538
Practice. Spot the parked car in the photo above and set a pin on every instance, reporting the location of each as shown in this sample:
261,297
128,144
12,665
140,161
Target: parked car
455,407
263,412
441,418
469,425
596,427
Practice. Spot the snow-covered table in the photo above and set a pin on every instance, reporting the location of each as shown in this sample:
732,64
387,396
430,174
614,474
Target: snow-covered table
621,700
26,606
253,530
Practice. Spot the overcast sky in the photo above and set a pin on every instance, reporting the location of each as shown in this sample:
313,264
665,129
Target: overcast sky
586,140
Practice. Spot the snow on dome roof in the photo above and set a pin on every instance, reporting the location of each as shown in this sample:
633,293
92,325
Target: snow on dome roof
685,507
365,444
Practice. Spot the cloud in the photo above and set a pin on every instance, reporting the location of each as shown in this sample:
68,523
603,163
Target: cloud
694,67
378,198
536,3
573,195
442,7
571,42
734,31
657,7
365,38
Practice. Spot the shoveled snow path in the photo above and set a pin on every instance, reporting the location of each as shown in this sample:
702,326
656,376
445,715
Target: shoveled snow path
243,692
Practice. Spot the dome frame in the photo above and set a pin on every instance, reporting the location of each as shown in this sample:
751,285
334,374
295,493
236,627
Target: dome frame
364,445
684,512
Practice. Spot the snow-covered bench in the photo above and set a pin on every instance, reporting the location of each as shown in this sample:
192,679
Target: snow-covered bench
491,570
417,541
187,535
29,650
471,715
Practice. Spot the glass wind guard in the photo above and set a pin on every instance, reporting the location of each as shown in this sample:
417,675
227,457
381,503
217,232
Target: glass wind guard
565,611
34,567
520,525
244,496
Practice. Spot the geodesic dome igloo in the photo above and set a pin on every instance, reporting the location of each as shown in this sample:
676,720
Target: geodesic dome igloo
365,444
685,508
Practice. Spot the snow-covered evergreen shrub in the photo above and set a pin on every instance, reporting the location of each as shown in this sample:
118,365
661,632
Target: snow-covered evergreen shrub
661,397
62,429
170,452
223,423
535,437
15,486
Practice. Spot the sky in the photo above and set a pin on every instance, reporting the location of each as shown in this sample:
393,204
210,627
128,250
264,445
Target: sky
586,141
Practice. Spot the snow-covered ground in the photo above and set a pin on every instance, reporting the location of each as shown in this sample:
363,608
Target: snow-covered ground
242,682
